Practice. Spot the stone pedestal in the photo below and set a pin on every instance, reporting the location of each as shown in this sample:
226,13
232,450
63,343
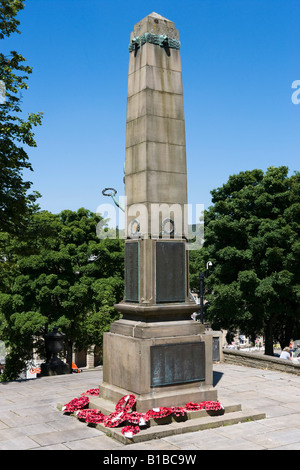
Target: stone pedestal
161,363
217,353
54,367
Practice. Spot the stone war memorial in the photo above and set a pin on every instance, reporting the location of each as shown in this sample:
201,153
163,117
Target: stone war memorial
156,352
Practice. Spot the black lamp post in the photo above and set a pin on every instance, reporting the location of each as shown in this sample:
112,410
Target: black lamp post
201,279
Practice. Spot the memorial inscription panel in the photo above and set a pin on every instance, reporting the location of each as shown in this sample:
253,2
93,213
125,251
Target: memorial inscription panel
132,272
177,363
170,272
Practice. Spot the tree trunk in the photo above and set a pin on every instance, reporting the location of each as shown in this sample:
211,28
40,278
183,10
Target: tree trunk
269,351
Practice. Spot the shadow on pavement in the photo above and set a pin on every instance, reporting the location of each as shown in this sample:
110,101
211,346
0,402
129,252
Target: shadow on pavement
216,377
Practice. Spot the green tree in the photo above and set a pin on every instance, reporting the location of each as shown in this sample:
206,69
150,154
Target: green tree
8,11
15,132
61,274
252,238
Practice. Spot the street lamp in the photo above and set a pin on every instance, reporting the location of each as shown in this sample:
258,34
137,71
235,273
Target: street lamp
201,279
208,265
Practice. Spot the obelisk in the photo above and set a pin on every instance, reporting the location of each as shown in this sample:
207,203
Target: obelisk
155,176
156,351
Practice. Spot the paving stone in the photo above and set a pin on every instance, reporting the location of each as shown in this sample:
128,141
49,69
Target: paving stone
30,409
100,442
17,443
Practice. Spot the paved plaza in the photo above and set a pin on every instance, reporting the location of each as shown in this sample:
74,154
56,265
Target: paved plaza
29,418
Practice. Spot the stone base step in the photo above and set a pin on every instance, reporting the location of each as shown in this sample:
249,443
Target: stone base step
180,427
171,425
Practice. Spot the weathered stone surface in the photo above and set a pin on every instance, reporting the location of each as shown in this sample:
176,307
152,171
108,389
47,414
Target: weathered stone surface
156,24
139,329
152,56
171,158
155,129
156,187
156,103
155,78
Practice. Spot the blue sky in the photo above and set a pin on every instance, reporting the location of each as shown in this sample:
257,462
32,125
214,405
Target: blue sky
239,60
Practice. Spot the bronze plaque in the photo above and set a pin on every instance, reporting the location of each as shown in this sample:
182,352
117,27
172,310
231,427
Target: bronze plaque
177,363
216,348
170,272
132,272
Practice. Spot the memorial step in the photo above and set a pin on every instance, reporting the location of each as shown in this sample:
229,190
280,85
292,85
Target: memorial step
171,425
191,425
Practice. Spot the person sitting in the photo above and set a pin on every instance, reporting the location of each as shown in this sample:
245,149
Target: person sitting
285,354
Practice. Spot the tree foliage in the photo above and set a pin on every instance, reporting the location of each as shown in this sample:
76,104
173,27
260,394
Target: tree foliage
252,238
8,12
60,274
16,133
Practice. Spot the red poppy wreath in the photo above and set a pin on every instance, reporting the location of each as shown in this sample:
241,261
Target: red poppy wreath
95,417
130,431
114,419
125,403
92,391
138,418
161,412
178,410
76,404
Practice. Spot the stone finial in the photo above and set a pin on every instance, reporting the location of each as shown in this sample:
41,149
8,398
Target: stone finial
155,24
159,17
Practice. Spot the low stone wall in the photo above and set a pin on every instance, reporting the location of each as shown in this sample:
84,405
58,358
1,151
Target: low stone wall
260,361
